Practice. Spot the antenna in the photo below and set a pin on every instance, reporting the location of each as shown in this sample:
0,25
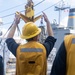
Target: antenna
60,8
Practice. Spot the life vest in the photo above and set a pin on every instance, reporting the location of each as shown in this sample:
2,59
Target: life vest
69,41
31,59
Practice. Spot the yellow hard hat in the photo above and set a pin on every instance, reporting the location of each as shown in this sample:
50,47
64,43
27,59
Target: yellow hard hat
30,30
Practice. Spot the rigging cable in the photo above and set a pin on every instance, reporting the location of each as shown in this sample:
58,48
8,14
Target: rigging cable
21,11
39,3
40,11
12,8
48,7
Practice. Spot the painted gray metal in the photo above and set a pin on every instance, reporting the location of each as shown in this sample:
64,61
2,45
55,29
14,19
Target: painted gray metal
71,18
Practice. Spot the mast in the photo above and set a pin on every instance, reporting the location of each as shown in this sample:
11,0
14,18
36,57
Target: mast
60,8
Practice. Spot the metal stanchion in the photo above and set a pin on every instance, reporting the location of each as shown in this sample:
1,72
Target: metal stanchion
3,44
4,67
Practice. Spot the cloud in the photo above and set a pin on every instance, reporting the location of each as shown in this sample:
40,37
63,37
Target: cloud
64,22
36,0
1,2
3,30
72,3
1,21
19,1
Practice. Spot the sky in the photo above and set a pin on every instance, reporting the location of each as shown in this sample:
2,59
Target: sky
9,7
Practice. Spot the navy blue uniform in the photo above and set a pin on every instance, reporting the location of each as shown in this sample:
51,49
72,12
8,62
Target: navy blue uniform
49,44
1,65
59,64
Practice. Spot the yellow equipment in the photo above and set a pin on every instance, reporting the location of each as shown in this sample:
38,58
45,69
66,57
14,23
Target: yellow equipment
30,30
29,13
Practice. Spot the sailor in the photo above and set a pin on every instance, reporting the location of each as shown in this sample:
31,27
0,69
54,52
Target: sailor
1,65
64,63
32,50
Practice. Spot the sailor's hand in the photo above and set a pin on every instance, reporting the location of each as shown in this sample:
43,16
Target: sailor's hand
45,17
17,19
